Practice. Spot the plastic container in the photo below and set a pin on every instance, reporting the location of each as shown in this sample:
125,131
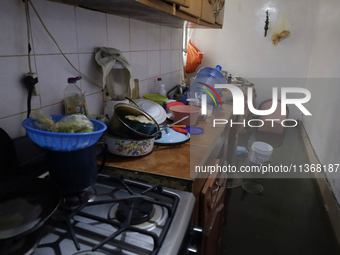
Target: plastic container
209,110
118,79
63,141
261,152
159,99
204,83
160,87
181,111
74,99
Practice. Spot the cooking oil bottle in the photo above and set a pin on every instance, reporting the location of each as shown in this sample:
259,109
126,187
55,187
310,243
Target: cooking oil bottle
74,99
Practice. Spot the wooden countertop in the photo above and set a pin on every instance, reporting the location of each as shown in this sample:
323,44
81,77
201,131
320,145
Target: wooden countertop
174,161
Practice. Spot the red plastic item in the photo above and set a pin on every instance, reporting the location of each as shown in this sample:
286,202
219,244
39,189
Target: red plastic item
171,104
180,130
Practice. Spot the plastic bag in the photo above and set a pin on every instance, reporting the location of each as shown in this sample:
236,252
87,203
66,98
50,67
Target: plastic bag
194,58
42,122
279,31
75,123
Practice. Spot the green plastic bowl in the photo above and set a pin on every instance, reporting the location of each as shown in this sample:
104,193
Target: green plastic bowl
159,99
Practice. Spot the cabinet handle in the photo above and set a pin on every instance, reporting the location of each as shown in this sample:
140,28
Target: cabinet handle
217,189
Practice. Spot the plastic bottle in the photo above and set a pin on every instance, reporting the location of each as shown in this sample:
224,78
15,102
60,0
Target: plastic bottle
229,78
161,87
74,99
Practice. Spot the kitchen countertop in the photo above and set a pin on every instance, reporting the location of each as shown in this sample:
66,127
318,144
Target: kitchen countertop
175,161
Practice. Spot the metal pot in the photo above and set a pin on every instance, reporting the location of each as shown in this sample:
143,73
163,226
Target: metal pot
129,147
119,128
75,171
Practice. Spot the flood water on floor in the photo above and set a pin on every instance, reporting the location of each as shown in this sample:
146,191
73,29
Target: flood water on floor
287,217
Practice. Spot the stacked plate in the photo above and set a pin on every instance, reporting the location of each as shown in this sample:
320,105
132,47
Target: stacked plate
153,109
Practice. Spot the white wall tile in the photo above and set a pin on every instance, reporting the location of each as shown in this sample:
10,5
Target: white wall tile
13,93
118,32
138,35
165,61
127,55
176,38
53,72
154,37
167,81
91,69
154,67
95,104
139,65
13,34
91,30
60,21
175,60
143,88
165,38
12,125
152,86
175,78
56,109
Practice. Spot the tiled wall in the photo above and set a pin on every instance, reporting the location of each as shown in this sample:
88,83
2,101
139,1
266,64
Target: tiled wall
153,51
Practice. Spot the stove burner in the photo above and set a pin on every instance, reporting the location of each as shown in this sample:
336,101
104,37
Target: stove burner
74,201
22,246
142,210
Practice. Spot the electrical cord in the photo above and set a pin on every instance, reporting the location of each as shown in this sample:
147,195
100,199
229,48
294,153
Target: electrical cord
55,42
29,83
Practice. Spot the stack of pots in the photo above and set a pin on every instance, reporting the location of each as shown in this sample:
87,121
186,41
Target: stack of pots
130,138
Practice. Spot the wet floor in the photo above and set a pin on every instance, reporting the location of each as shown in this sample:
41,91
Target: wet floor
287,217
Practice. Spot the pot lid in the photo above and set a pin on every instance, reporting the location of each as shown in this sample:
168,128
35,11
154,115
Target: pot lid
171,137
153,109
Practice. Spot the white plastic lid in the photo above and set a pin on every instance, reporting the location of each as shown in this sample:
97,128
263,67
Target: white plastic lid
261,146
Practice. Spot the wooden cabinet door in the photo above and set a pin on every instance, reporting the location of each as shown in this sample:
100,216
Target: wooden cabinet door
194,9
185,3
208,11
213,207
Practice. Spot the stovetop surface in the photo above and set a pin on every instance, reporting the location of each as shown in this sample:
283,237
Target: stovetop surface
103,222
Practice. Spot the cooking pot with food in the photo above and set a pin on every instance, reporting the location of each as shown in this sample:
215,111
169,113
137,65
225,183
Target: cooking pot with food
130,122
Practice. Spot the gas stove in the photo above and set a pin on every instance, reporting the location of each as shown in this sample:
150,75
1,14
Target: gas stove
117,216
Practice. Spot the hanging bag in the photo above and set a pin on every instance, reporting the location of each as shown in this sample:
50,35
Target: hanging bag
194,58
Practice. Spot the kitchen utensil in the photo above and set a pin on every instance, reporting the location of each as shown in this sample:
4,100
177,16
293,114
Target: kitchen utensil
129,147
155,110
180,130
178,126
63,141
118,126
170,125
180,111
25,204
171,137
194,130
159,99
75,171
133,102
110,106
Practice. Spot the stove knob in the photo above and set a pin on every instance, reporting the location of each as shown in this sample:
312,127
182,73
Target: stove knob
197,235
192,250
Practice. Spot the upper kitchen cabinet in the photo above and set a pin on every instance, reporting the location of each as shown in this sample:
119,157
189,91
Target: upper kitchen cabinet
171,13
210,11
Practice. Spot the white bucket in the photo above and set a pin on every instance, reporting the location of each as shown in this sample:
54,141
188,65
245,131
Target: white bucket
260,152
